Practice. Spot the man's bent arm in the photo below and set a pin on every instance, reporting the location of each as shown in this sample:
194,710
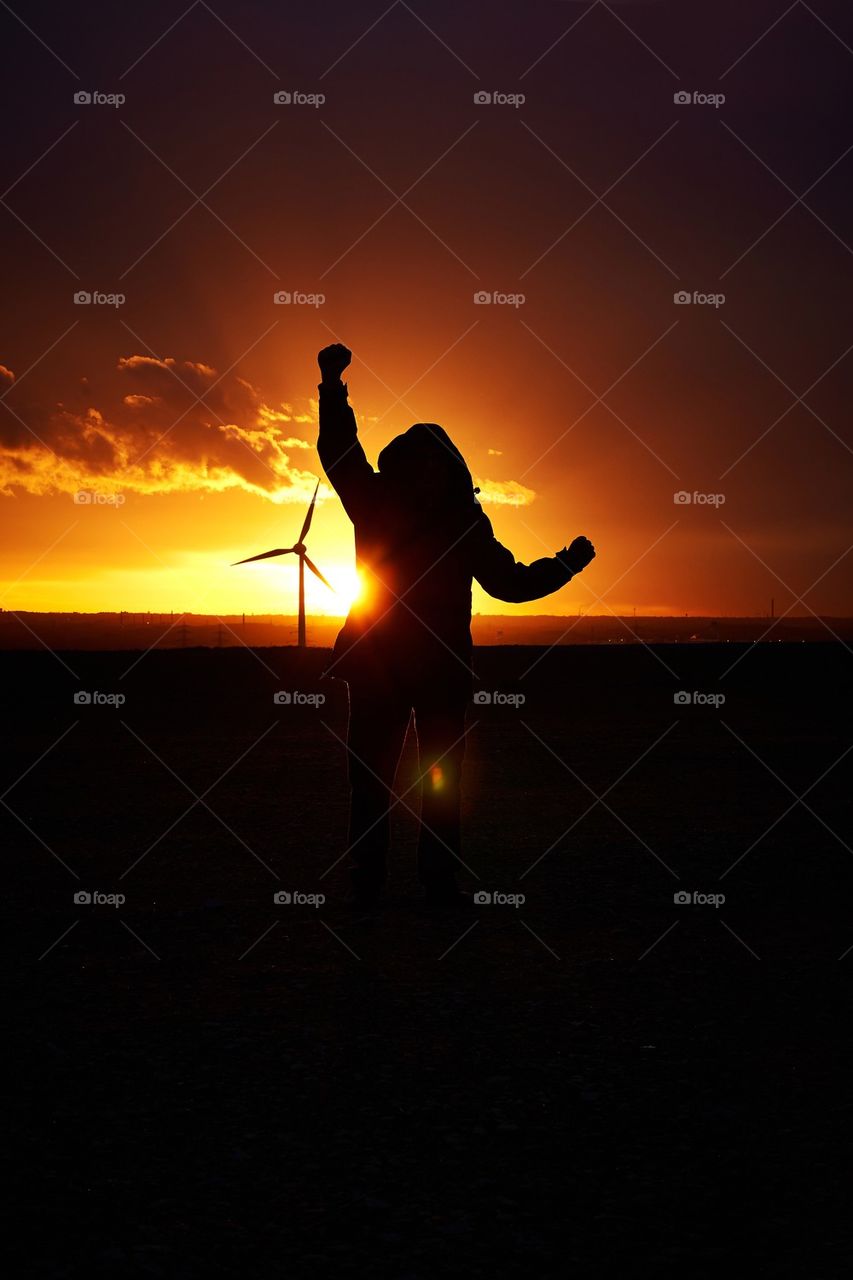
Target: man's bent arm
499,573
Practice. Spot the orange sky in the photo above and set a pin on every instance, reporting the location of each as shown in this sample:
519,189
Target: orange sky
588,405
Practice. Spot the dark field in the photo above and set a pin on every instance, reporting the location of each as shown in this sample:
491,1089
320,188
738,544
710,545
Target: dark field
599,1081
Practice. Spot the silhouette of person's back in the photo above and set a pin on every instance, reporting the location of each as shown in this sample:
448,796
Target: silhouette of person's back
421,537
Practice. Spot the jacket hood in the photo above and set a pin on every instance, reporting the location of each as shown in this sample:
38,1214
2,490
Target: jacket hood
426,445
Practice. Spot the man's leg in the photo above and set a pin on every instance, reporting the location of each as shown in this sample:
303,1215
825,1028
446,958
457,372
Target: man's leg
377,730
440,723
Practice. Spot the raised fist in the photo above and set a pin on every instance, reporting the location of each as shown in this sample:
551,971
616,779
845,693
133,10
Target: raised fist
578,555
333,360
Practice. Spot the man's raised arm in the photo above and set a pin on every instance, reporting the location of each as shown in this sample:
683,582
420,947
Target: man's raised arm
498,572
341,454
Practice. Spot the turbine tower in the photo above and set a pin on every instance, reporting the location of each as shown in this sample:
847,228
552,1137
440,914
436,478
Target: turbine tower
298,549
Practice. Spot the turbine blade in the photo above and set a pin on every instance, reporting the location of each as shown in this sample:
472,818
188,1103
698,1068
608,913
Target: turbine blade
312,566
265,555
307,525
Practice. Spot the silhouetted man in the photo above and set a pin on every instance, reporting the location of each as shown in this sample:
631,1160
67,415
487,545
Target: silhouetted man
420,538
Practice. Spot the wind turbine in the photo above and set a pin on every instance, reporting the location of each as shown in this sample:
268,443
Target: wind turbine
298,549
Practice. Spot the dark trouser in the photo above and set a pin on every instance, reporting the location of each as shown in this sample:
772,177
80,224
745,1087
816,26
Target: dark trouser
377,731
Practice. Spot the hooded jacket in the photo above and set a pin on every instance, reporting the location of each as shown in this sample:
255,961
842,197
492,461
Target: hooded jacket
421,537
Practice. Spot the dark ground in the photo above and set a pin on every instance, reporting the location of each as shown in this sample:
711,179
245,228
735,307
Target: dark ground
570,1089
